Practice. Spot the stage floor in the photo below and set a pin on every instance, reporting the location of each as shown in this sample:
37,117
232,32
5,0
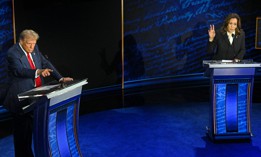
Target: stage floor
164,123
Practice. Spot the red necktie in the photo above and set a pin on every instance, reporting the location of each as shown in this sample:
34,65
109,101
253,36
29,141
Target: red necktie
38,81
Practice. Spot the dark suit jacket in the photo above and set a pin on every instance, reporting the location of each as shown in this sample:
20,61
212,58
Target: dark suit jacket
222,48
21,76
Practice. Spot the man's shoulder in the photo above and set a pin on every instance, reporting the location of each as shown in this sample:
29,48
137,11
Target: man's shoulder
13,48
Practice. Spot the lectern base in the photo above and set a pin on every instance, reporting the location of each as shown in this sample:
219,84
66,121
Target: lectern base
229,136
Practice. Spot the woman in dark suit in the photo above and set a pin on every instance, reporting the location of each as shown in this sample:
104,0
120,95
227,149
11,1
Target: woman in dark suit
227,43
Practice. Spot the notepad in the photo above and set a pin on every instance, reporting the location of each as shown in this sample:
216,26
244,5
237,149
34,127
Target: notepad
227,61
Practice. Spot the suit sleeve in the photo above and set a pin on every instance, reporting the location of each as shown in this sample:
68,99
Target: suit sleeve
55,72
212,46
47,64
242,49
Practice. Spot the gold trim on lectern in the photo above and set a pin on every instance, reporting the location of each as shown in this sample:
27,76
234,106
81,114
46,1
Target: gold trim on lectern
258,32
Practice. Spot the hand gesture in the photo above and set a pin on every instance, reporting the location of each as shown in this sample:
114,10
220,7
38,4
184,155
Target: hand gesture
211,32
44,72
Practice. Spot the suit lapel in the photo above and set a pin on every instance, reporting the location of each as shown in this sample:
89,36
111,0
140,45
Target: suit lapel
23,57
225,37
25,61
36,61
235,41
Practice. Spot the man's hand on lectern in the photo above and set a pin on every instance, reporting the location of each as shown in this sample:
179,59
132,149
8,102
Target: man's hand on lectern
236,60
66,79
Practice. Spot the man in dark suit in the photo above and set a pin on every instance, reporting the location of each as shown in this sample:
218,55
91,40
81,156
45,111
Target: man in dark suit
228,43
26,69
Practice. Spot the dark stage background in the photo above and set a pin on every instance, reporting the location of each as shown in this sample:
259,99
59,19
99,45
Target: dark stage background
163,38
73,33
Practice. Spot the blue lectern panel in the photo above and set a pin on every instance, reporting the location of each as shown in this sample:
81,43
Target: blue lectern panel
62,129
231,107
52,135
62,134
71,132
221,108
242,107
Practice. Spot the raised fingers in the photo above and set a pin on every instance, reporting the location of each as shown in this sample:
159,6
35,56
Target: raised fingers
46,72
212,28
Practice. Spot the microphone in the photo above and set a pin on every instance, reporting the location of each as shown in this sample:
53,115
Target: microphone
51,65
46,57
53,68
233,35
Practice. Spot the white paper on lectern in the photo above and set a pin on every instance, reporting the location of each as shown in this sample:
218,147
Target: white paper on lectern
227,61
45,87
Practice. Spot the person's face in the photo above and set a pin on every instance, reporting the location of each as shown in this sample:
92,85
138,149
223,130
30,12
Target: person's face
28,44
232,25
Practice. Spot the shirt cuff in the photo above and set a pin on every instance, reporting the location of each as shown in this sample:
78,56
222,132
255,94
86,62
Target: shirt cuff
35,75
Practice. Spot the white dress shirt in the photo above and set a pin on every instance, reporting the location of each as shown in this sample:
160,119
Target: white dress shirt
230,37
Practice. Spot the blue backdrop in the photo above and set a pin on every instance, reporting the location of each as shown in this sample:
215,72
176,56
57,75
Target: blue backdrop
162,37
6,40
170,37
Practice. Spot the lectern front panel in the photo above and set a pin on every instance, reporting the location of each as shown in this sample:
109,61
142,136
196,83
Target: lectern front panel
231,86
56,111
231,108
62,135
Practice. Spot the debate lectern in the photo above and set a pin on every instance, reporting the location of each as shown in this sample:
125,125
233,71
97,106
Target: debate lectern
56,109
231,88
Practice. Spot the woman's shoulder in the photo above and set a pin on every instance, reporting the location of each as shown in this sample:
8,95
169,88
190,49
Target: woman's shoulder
220,32
242,31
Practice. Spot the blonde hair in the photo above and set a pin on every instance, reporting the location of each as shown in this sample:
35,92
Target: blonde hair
28,34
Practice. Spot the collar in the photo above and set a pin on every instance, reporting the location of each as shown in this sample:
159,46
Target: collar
25,51
230,34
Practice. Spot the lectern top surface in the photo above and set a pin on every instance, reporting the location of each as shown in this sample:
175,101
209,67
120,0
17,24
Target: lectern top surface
50,88
230,64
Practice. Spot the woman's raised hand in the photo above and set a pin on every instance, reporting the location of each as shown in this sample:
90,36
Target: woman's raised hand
211,32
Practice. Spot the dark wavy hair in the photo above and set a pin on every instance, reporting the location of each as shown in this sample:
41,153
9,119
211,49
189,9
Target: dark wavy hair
226,22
